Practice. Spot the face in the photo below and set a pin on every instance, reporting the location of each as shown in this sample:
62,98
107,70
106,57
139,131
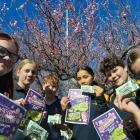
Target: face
135,67
117,76
49,90
26,75
84,78
8,53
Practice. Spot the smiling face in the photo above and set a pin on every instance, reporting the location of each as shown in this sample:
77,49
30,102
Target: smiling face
8,51
26,75
117,76
84,78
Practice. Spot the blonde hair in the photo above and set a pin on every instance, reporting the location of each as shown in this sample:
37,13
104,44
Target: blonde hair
51,78
24,62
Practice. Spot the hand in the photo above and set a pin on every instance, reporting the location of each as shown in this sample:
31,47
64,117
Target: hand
98,90
64,103
126,104
20,101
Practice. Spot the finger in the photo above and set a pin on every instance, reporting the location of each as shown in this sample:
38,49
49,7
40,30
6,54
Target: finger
22,101
119,98
116,102
126,100
124,104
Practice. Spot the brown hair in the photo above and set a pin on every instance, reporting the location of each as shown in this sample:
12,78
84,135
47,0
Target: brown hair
110,62
133,56
51,78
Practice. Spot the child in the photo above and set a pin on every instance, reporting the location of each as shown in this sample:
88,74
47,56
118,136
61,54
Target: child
53,104
26,73
116,72
98,105
8,57
134,62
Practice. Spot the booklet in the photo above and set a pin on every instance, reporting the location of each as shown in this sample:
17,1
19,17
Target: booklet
34,101
35,105
79,111
11,115
35,131
109,126
127,88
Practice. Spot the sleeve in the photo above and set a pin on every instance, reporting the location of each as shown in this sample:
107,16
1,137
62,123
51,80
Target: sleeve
102,105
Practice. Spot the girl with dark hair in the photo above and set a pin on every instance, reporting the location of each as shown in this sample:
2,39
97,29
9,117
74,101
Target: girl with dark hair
90,73
85,76
8,57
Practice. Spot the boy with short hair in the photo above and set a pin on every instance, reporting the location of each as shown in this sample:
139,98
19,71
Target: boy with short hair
53,105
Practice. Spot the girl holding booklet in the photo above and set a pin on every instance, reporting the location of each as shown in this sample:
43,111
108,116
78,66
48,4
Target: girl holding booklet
85,76
26,72
8,57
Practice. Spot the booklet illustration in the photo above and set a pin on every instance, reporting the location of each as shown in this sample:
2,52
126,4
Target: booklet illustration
109,126
35,105
11,115
79,111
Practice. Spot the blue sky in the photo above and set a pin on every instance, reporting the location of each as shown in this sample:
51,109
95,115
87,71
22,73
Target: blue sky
12,14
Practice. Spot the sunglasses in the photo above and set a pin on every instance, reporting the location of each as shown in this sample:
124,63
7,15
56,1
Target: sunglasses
4,52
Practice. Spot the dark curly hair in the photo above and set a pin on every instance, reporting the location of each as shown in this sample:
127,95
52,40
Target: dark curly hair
109,63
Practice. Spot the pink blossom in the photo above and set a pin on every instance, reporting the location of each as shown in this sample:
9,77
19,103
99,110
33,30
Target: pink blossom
13,24
21,7
58,14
